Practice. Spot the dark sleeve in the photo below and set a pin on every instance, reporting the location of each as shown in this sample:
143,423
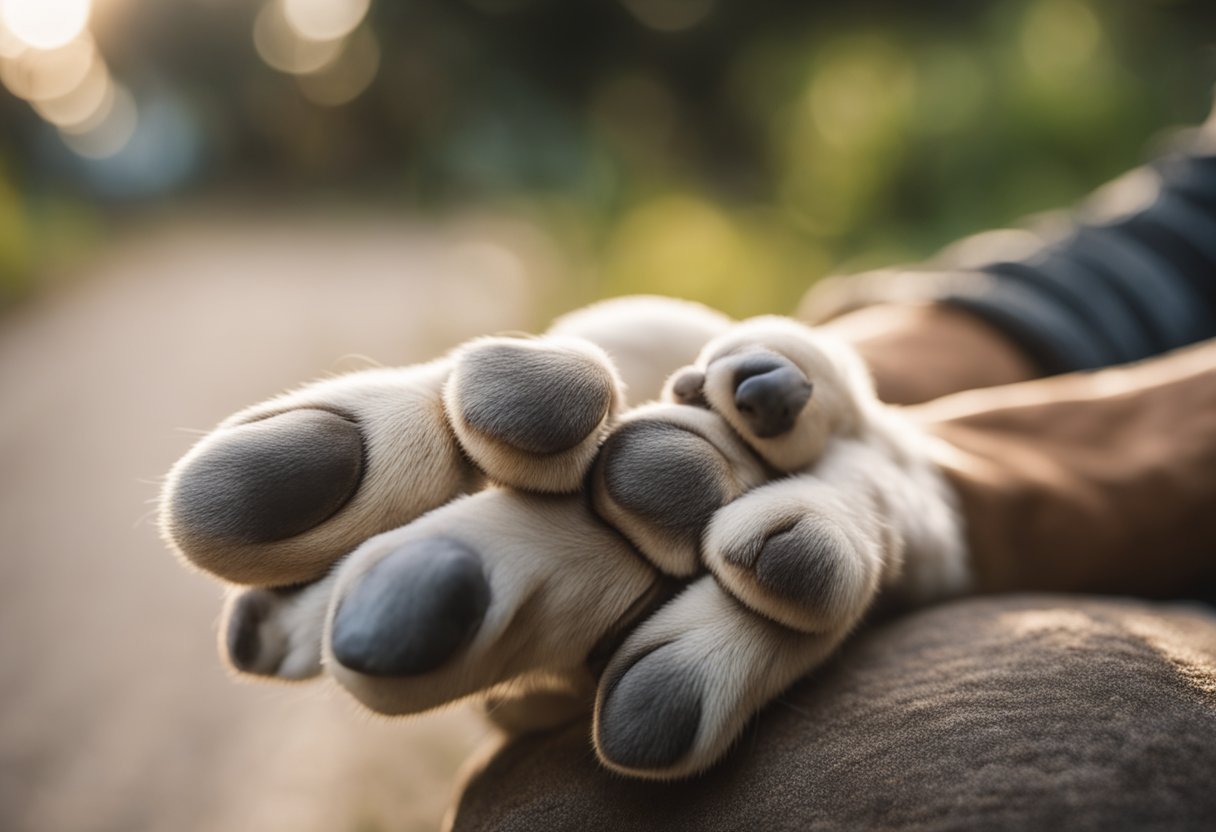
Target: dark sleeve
1115,291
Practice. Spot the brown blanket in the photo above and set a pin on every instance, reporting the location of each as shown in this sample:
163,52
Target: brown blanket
1019,712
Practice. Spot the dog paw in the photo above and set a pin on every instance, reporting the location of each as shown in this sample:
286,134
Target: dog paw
682,687
786,389
275,632
533,412
280,491
800,552
662,474
494,593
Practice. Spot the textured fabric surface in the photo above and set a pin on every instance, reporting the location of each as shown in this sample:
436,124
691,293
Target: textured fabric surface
1018,712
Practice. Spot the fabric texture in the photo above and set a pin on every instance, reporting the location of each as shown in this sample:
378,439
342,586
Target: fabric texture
1012,712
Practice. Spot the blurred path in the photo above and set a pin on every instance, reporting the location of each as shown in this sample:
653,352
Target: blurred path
115,712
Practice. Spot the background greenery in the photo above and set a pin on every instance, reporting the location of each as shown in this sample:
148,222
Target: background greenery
727,151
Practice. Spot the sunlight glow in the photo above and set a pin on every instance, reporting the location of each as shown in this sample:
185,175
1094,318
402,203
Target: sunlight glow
39,74
346,78
325,19
281,46
45,24
110,134
80,104
10,45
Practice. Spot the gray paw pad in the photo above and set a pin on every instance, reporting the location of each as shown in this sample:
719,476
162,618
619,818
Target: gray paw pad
541,402
650,715
242,638
666,475
770,392
269,480
412,611
800,565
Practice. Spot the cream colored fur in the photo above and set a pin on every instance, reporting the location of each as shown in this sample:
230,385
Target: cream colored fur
648,338
414,461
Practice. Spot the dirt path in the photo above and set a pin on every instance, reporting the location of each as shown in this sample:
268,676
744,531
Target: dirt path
115,713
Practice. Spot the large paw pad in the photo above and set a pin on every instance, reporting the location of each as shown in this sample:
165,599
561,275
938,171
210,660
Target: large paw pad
412,611
262,482
649,715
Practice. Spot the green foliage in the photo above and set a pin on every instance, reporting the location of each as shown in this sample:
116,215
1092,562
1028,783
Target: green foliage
886,142
734,160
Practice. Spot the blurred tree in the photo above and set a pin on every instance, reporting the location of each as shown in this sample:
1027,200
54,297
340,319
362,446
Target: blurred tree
728,151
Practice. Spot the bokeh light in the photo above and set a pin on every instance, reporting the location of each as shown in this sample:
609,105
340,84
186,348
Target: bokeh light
862,93
110,134
10,45
324,19
38,74
1059,37
344,79
92,95
45,24
282,46
95,118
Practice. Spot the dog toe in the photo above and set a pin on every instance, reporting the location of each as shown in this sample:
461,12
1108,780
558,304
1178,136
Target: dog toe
276,632
269,480
666,475
678,692
412,611
532,413
661,476
801,564
770,392
281,491
500,592
650,714
798,553
539,401
243,639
